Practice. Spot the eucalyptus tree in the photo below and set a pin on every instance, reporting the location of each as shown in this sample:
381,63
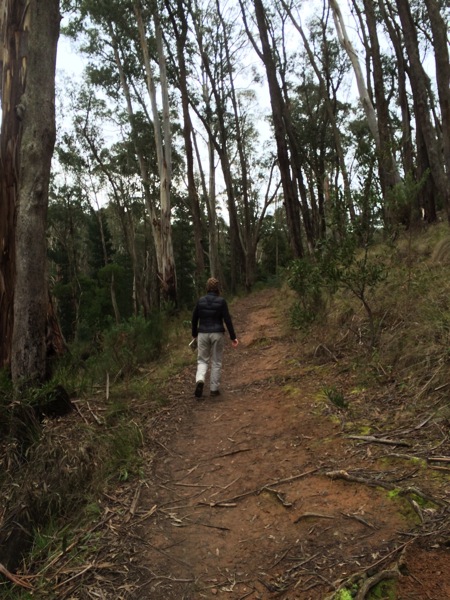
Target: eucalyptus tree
214,46
178,15
121,36
438,20
29,36
423,148
376,109
388,168
267,55
253,198
323,58
422,100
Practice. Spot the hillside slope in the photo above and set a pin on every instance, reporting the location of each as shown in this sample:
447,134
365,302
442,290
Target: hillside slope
322,471
263,493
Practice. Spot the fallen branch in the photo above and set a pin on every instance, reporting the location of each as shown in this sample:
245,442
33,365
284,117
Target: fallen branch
354,479
227,502
14,579
369,582
312,515
278,495
372,581
436,468
134,503
359,519
231,453
374,440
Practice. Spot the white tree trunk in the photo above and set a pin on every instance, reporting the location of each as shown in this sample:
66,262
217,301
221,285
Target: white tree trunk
163,240
362,88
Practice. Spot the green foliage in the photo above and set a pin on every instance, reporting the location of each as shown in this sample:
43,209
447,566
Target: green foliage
402,200
335,396
385,590
124,460
343,594
126,346
336,265
305,277
184,254
275,247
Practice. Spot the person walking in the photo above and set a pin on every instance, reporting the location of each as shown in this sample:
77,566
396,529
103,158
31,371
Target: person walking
209,318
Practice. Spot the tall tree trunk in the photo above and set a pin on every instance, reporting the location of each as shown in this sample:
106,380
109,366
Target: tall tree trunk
143,167
389,175
180,29
163,241
407,144
441,55
209,194
332,118
245,228
31,31
281,136
11,16
346,43
218,135
420,86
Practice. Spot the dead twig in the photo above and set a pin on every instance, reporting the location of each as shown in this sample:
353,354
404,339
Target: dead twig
75,542
134,503
363,574
327,350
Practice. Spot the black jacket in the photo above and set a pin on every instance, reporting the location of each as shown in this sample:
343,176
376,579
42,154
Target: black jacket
210,313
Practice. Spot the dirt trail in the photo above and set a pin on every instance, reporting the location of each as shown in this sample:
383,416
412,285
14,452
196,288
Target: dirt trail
241,505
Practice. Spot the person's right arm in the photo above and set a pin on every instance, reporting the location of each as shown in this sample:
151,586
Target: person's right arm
194,323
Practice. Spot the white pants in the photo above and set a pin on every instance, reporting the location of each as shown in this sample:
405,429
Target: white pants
210,347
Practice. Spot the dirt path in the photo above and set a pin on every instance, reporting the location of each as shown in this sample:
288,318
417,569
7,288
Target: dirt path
242,504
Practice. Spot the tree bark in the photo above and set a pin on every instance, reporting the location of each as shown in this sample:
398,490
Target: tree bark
31,31
366,102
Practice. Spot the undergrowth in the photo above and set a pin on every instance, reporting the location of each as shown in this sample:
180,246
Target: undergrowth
405,338
53,486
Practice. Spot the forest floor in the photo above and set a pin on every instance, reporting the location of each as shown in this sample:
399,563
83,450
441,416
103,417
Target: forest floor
261,493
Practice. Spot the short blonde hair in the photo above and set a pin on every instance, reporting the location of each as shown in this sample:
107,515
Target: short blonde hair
212,285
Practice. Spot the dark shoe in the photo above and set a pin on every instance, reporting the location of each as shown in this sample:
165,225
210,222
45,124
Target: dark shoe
215,393
199,389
